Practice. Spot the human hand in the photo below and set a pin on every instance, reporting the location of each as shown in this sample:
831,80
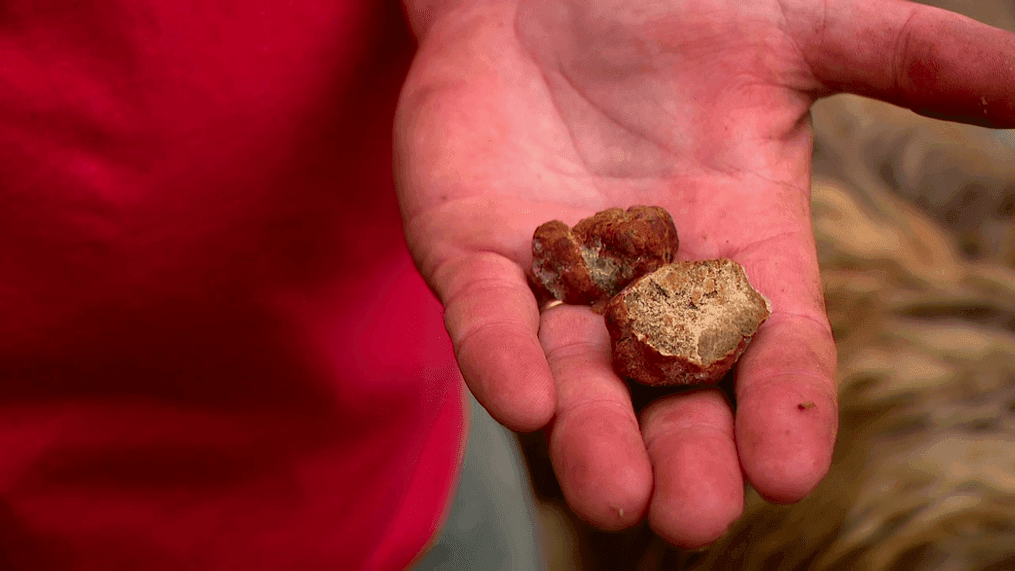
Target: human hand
516,113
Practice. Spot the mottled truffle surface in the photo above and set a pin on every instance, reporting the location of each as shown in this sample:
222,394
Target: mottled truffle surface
685,323
602,254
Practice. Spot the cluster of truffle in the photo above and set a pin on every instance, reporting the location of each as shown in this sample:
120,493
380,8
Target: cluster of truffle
670,323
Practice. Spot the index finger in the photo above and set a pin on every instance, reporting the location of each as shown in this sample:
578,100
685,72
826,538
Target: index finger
787,414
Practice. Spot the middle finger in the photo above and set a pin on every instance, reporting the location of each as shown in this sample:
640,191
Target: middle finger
699,487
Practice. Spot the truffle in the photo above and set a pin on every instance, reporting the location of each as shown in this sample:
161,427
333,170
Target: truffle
685,323
602,254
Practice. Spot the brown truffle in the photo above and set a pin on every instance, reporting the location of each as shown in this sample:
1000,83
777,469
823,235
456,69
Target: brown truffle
603,253
685,323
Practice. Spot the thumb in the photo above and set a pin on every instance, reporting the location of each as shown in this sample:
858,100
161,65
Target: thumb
932,61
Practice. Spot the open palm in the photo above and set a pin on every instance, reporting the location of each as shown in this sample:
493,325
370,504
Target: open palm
516,113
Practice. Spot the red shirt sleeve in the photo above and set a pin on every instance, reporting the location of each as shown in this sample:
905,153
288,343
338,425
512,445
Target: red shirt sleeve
214,350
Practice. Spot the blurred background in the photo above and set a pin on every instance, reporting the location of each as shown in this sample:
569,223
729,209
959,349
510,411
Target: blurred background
915,224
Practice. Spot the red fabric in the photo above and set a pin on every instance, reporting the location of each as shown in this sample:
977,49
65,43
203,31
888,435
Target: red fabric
214,350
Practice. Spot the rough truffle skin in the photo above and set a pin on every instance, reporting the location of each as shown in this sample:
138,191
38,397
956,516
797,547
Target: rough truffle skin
602,254
686,323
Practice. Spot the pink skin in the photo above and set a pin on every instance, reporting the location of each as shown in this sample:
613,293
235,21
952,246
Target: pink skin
516,113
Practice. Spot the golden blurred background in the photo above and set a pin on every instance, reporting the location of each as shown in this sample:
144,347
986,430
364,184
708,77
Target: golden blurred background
915,224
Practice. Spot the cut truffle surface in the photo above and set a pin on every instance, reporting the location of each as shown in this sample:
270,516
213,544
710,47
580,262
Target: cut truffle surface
684,323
